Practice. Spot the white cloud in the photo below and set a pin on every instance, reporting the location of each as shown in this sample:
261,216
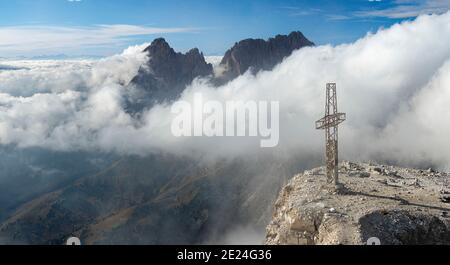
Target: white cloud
214,60
37,40
394,86
337,17
408,9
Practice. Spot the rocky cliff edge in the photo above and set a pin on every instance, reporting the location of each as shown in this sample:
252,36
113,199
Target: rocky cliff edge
398,206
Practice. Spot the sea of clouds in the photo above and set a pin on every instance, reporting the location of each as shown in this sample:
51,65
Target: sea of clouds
394,86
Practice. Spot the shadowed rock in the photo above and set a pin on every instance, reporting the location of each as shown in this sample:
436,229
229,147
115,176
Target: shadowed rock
258,54
167,73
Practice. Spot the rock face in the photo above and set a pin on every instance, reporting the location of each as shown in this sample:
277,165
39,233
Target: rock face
396,205
167,73
259,54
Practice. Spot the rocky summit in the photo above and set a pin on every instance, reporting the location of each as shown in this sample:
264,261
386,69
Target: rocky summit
397,206
167,73
258,54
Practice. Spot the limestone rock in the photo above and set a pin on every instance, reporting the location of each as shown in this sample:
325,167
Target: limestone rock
258,54
399,206
167,73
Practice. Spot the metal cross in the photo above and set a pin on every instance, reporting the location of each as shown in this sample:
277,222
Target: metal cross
330,123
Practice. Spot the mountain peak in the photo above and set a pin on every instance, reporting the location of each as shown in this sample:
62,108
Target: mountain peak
259,54
159,45
168,72
296,34
195,52
370,205
159,41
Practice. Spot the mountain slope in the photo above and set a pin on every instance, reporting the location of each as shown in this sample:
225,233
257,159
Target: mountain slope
159,199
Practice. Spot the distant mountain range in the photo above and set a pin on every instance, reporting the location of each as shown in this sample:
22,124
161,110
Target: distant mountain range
4,67
160,198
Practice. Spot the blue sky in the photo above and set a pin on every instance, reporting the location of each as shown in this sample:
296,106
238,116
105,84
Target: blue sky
104,27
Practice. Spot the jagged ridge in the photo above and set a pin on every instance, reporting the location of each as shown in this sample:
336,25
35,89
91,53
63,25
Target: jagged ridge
167,73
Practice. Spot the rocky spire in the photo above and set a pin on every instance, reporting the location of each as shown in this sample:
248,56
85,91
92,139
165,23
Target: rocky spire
259,54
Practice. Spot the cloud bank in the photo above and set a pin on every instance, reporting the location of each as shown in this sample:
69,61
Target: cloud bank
407,9
394,86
